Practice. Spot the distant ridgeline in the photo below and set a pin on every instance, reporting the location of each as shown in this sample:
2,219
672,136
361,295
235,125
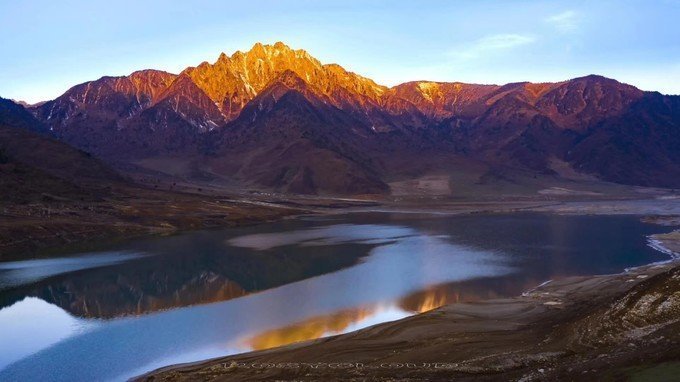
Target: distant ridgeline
277,118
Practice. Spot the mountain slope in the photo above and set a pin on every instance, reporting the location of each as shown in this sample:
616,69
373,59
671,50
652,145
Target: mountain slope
15,115
33,165
241,104
231,82
640,146
290,140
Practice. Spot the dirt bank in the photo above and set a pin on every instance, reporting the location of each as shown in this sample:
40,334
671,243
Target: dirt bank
56,225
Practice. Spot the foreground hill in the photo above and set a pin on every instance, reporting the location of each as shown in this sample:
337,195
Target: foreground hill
34,165
277,118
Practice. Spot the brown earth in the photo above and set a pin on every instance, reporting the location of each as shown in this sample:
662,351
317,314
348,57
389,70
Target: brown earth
54,225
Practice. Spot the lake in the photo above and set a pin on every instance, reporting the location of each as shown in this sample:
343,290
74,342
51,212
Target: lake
130,308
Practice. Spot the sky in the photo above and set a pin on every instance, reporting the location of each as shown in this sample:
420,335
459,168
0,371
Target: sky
48,46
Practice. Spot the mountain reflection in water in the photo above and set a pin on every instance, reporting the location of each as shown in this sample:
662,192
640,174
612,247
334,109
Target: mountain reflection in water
200,268
351,319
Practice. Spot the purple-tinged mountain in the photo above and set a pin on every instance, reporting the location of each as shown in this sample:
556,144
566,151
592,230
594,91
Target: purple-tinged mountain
277,118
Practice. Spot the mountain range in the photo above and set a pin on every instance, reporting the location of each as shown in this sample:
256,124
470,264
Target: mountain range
278,119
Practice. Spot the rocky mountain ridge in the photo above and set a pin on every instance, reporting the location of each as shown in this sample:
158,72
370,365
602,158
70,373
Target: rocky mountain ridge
593,124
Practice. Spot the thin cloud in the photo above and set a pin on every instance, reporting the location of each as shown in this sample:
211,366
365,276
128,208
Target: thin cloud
564,22
492,44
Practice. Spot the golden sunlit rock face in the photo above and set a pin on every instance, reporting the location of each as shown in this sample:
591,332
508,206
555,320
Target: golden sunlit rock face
232,81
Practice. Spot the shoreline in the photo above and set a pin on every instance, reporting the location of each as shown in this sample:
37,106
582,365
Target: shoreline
659,246
567,304
75,226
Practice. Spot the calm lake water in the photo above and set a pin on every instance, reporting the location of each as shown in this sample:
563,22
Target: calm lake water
123,311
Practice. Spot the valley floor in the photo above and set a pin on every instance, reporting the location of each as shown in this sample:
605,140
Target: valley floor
56,225
611,327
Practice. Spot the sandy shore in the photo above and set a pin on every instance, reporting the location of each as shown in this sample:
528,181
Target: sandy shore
609,327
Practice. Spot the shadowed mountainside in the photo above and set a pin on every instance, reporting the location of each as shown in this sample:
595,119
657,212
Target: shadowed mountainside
34,165
52,194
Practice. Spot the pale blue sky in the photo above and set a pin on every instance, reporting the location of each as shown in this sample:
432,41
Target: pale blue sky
49,46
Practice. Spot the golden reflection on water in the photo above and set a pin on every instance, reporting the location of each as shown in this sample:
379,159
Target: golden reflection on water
418,302
427,300
339,322
309,329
